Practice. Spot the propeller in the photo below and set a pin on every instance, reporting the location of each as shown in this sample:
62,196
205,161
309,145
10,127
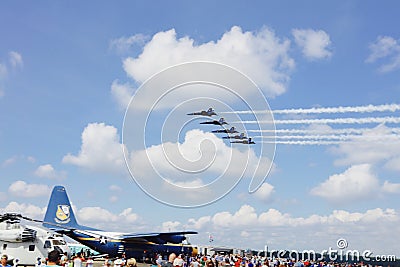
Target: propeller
16,218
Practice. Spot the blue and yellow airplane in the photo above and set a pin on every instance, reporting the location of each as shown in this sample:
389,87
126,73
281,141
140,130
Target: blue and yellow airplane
60,218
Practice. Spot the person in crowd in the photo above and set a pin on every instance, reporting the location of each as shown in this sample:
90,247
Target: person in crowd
178,262
78,260
89,262
117,262
170,262
53,258
4,260
64,260
131,262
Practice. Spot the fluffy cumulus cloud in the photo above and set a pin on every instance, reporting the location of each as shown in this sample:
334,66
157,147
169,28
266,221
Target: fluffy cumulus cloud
389,187
314,44
265,192
285,231
104,219
261,55
28,210
122,93
23,189
357,182
100,150
380,146
47,171
387,50
200,223
200,159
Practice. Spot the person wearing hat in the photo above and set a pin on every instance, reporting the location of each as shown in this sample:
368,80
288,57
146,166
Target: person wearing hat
4,260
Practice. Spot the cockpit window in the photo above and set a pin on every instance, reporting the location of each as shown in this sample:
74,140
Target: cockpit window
47,244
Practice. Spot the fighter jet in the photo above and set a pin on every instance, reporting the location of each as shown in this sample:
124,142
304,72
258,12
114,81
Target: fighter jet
221,122
227,131
241,137
210,112
245,141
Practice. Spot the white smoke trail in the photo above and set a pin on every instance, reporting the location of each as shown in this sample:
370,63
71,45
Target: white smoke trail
322,131
303,143
344,137
329,121
358,109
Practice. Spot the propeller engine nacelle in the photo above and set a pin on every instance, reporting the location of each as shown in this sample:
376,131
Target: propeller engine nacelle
28,235
18,235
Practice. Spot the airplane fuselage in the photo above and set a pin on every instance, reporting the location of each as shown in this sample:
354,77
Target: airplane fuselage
114,247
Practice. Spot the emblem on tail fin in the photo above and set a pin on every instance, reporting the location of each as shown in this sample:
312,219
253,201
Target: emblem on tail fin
62,214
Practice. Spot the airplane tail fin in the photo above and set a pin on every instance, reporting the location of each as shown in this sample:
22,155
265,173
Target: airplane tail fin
59,214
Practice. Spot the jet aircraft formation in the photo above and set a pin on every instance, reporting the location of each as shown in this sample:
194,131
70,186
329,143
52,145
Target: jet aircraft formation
239,139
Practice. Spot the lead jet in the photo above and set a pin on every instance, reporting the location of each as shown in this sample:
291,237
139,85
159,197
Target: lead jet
245,141
210,112
220,122
241,137
227,131
60,218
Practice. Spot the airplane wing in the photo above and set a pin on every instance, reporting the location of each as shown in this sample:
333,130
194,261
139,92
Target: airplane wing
160,238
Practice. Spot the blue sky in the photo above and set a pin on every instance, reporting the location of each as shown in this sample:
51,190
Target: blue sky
67,70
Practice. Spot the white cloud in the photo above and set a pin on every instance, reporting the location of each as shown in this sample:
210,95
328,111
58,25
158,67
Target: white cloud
122,93
171,226
200,223
284,231
265,192
13,160
28,210
386,150
389,187
393,163
314,44
23,189
47,171
385,47
104,219
124,44
15,59
260,55
96,214
202,158
100,150
9,161
129,216
115,188
357,182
